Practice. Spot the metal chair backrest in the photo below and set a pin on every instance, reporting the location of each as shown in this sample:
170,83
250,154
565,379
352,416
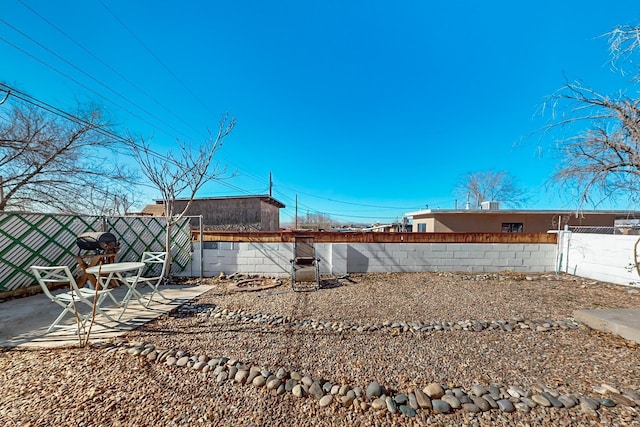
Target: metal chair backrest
304,251
155,262
53,275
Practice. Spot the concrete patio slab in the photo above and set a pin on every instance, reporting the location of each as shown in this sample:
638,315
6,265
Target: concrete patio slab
624,322
24,321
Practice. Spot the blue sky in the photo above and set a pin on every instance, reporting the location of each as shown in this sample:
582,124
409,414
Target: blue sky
365,110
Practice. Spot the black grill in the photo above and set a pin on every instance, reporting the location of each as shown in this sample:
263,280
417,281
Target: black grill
99,242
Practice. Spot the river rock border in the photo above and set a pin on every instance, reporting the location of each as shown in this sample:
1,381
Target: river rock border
433,398
394,328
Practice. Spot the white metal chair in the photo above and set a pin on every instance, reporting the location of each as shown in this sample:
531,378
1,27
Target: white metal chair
154,274
69,301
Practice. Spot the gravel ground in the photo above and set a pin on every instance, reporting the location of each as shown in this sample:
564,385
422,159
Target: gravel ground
376,327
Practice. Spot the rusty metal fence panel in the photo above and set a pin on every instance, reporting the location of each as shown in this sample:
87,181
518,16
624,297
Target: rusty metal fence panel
49,239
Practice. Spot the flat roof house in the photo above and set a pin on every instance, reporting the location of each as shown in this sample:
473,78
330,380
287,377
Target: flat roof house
235,213
494,220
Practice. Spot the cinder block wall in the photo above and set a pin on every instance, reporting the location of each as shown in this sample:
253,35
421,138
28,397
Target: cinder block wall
609,258
340,258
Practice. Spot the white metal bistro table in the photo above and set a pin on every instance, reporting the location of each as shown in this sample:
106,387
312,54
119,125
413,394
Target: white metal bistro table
116,271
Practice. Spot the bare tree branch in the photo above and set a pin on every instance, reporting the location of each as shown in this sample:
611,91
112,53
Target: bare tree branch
53,163
183,174
486,186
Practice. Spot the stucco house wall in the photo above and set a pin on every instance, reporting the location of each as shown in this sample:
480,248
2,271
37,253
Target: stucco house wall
479,221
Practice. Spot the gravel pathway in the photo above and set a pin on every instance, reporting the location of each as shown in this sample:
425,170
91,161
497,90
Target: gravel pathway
377,349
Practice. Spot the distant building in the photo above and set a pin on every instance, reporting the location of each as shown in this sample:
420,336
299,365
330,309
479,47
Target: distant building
235,213
491,219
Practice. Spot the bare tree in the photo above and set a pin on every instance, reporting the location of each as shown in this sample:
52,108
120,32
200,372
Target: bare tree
48,162
315,221
598,135
485,186
182,174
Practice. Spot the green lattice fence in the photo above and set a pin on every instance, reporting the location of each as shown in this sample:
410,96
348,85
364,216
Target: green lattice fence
46,239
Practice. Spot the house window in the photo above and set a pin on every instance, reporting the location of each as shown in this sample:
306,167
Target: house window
512,227
422,228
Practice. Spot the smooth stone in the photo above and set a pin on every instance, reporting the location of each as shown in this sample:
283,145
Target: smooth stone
423,400
373,390
296,376
233,371
344,389
434,391
325,400
182,361
511,392
401,399
567,402
440,406
306,381
522,407
171,361
198,366
391,405
274,383
529,402
453,401
316,391
622,400
494,391
458,392
335,390
413,402
222,377
481,403
241,376
491,401
470,407
290,384
505,405
465,399
478,390
327,386
541,400
589,402
253,373
378,404
609,403
259,381
297,391
555,402
347,400
408,411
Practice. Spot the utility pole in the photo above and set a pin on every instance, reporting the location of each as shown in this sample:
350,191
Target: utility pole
270,185
296,212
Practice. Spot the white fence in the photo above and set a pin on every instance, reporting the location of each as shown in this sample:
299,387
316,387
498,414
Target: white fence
341,258
609,258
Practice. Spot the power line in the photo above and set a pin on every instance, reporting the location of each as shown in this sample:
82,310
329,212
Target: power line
80,84
106,64
171,73
110,89
71,117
